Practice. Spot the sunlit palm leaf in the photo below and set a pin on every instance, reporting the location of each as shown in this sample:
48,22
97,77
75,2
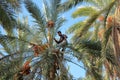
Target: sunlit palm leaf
84,11
99,3
74,27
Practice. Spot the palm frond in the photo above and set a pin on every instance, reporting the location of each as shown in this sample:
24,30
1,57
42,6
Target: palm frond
38,16
69,4
84,11
85,47
54,9
105,40
8,70
75,63
6,46
59,23
6,37
95,33
7,42
110,57
92,18
23,26
91,45
46,11
99,3
10,65
86,36
35,12
50,9
8,56
74,27
105,44
16,4
76,52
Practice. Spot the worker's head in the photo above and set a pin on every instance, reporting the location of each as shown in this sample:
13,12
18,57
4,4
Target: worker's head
59,33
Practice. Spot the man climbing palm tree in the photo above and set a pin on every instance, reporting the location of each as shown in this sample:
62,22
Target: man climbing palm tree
62,41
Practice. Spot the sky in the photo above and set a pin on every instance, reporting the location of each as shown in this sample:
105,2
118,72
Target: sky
74,69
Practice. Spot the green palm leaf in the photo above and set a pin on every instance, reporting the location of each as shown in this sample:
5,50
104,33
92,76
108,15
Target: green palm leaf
10,38
74,27
84,11
10,65
35,12
7,15
59,23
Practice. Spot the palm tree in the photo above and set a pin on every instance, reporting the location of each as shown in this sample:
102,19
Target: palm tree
50,14
107,50
41,34
87,49
12,41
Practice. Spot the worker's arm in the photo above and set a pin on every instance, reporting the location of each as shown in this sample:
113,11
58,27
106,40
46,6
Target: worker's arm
58,41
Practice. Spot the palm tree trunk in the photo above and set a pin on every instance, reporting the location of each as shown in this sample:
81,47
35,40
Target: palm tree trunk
116,40
116,33
50,38
52,69
52,73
